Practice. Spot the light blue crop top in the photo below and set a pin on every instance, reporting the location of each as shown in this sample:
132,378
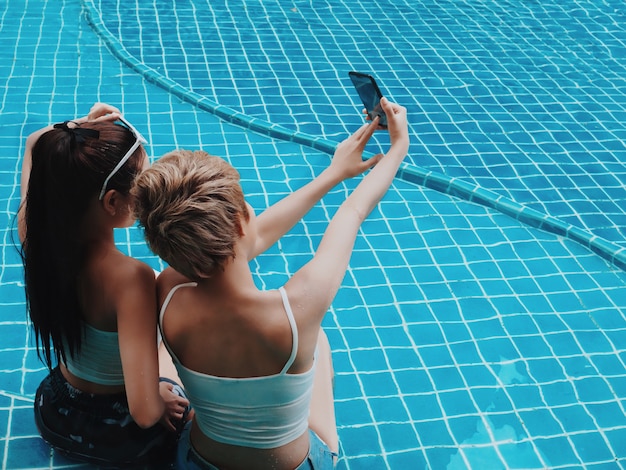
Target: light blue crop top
98,360
259,412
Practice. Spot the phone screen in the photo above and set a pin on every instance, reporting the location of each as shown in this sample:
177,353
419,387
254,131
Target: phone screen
370,95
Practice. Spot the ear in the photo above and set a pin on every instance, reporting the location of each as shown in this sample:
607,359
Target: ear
111,202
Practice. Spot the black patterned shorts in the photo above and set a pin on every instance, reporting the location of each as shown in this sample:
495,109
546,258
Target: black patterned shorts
98,428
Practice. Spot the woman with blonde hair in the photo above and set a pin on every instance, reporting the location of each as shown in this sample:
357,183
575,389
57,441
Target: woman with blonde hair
256,364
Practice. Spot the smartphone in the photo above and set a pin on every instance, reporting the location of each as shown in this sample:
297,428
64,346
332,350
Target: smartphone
370,95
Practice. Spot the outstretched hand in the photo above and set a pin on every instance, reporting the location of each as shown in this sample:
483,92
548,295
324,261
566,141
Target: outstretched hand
348,158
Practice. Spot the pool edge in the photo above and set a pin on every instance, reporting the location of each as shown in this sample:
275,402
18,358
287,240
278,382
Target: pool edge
611,252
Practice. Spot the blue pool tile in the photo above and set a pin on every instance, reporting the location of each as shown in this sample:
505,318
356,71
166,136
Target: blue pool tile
493,350
414,381
491,398
403,358
379,384
22,423
483,458
533,346
466,428
520,455
398,437
353,412
545,370
27,452
396,342
506,426
389,409
607,415
607,319
342,362
435,356
4,416
457,402
517,325
441,457
423,407
426,334
592,447
590,389
574,418
361,440
490,327
535,303
447,378
577,366
434,433
526,396
465,353
541,422
508,305
617,442
559,393
448,311
558,451
407,459
362,337
562,343
455,331
346,386
594,342
607,364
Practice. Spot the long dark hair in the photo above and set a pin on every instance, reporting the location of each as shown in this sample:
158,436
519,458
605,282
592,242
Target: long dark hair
69,166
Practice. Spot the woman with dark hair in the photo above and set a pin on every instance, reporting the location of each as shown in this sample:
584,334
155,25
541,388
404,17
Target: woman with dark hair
93,309
255,363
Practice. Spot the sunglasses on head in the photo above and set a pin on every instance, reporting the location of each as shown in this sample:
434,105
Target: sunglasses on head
139,139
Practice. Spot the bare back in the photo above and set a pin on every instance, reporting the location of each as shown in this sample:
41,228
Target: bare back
236,333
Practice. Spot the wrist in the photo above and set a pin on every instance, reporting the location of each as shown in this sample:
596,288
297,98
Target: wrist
331,177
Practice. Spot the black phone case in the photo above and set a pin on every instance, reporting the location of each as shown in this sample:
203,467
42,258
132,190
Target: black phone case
370,95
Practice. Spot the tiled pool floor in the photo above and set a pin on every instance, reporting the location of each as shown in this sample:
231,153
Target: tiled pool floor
462,337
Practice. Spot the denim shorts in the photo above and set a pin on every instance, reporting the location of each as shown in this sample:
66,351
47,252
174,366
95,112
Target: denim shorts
97,428
320,457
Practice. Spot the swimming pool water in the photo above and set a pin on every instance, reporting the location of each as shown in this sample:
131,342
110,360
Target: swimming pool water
464,336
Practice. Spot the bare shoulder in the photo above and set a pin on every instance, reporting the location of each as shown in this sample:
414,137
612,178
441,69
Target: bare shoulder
307,296
167,280
130,270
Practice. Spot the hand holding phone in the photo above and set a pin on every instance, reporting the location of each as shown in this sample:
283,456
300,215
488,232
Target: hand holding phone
370,95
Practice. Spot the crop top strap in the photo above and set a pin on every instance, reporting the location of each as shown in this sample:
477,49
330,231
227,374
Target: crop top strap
294,331
166,302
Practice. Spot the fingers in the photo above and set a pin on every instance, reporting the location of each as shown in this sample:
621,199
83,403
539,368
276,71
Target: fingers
103,112
370,162
391,109
367,130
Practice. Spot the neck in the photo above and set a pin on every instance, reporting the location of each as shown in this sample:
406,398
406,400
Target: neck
97,227
235,277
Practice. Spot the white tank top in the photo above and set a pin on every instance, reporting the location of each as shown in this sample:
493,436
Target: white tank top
259,412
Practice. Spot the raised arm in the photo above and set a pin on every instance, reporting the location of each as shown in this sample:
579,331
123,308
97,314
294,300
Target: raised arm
279,218
98,111
319,280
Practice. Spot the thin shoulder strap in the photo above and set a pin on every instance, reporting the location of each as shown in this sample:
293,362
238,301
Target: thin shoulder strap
294,331
166,302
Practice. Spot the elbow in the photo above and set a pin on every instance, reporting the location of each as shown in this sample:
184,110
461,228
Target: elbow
145,422
146,417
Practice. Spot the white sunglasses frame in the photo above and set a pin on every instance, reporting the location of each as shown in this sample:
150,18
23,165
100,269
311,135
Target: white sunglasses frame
139,139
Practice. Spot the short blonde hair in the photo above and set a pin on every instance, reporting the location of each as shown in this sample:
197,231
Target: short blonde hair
189,205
